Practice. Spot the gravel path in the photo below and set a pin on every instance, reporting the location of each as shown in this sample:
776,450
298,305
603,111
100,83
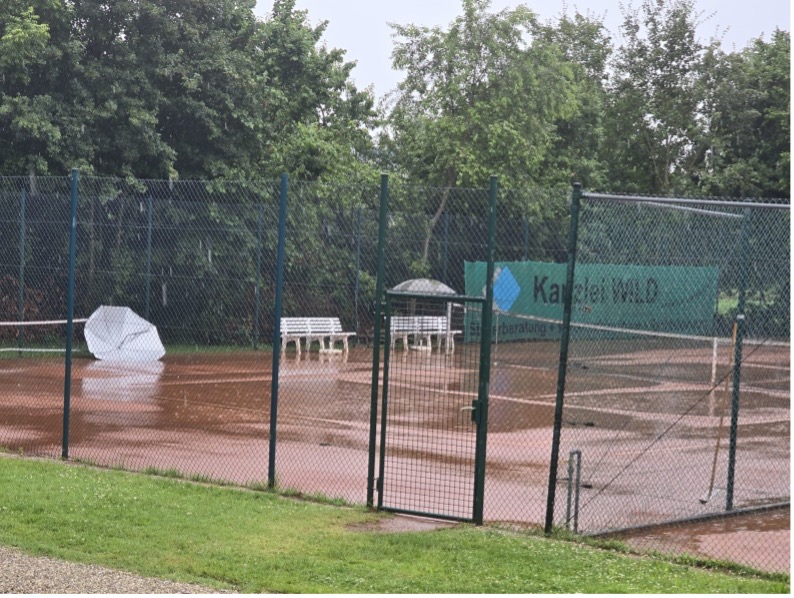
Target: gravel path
24,574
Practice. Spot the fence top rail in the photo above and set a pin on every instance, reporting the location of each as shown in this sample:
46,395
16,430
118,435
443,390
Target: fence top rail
437,297
680,208
723,203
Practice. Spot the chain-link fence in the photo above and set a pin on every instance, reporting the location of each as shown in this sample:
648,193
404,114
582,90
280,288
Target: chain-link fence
677,395
646,419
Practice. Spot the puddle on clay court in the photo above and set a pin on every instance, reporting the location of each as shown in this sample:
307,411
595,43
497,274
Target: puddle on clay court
759,540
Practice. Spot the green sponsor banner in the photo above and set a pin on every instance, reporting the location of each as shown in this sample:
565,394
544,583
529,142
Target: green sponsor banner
679,299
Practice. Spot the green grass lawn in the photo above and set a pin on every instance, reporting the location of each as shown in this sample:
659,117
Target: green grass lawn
728,302
262,542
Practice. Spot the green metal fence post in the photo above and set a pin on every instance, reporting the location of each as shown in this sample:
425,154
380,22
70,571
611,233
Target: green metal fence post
67,383
563,364
379,286
446,247
358,261
481,406
385,404
737,359
21,280
280,260
257,284
149,208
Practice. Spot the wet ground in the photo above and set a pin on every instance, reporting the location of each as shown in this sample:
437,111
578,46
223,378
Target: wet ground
648,436
760,540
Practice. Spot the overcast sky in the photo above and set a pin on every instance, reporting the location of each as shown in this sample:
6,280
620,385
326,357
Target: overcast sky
361,26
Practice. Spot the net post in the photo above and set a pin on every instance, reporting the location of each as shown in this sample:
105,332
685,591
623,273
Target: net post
563,363
379,284
67,382
280,259
574,489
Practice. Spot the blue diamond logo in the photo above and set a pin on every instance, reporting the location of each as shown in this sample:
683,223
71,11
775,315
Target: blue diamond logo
505,289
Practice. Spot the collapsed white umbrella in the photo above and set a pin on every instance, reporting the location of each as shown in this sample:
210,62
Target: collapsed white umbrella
119,334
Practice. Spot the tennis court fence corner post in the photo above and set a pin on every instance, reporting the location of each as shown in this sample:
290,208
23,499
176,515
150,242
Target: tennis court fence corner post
67,379
357,288
280,259
149,208
484,389
379,285
446,249
737,359
21,283
576,197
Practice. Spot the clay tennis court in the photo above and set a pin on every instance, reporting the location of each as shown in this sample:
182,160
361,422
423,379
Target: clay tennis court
207,414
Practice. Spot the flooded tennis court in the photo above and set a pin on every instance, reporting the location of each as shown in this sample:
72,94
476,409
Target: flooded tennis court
207,415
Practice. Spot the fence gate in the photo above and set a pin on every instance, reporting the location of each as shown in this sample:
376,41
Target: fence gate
432,451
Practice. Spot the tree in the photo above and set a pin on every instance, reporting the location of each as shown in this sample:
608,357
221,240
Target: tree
187,88
104,86
478,99
199,55
23,39
653,112
575,153
26,126
319,122
744,147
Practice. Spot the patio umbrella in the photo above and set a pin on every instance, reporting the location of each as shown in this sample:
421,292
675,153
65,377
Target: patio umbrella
119,334
429,287
424,285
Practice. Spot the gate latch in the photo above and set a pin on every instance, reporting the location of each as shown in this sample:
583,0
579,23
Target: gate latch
475,411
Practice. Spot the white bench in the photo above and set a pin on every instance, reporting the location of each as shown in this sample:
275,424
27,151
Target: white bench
423,329
313,329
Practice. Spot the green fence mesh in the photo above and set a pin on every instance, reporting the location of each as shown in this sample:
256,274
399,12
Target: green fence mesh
647,415
668,416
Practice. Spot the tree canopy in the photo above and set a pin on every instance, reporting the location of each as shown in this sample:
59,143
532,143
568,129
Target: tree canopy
205,89
188,88
544,104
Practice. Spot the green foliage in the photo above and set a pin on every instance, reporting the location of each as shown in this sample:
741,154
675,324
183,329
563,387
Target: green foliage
744,150
190,89
420,269
686,117
319,121
653,107
479,98
201,89
23,40
574,155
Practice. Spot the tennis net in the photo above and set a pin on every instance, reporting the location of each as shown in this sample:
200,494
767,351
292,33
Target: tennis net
36,336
